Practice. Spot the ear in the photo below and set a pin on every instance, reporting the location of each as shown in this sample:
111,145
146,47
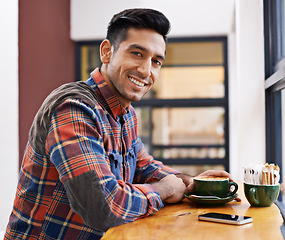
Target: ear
105,51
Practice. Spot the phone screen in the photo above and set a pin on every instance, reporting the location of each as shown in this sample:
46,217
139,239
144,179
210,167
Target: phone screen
225,218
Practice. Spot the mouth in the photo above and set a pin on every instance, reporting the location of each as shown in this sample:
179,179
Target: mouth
138,83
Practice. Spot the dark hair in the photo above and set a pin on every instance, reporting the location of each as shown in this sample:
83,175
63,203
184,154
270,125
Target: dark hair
140,18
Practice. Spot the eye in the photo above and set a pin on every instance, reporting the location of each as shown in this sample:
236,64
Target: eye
157,62
137,54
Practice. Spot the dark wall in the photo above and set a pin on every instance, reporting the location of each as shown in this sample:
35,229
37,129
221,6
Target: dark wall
46,56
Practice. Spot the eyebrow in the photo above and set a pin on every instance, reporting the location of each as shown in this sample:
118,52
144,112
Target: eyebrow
137,46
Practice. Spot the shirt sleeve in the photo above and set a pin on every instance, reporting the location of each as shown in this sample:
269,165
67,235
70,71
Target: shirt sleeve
148,169
75,146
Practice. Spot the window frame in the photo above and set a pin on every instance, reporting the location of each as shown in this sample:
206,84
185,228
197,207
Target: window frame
189,103
274,82
197,102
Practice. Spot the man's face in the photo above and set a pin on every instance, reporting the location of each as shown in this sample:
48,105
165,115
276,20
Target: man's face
134,67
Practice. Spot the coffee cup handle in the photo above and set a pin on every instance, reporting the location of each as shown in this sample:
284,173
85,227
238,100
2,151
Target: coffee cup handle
235,189
252,196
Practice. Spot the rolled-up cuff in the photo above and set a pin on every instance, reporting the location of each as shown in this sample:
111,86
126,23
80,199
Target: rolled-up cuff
154,200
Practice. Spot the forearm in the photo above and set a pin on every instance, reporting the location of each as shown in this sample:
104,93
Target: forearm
171,188
165,191
111,205
87,199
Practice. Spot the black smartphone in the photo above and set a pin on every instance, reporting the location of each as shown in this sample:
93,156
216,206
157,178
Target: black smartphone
225,218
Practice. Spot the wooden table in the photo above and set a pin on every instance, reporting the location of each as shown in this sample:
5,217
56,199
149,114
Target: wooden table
180,221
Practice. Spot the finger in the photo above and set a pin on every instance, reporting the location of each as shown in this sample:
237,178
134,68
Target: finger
238,199
190,188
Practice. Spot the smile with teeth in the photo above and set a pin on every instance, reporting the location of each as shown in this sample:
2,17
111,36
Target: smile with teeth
136,82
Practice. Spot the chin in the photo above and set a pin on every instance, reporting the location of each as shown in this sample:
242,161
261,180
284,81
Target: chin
135,97
135,100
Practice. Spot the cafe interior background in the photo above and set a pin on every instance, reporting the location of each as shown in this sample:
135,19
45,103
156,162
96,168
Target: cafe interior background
219,103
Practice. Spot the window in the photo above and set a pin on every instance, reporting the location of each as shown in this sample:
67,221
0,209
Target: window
274,26
183,120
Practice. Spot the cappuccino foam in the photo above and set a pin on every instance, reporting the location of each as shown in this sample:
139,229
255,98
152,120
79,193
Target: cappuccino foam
211,178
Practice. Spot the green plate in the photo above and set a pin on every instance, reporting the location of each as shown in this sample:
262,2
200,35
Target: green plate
210,201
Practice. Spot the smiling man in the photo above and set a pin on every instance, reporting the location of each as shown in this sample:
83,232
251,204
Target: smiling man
85,168
132,69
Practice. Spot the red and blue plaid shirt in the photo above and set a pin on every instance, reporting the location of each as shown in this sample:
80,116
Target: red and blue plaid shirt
93,173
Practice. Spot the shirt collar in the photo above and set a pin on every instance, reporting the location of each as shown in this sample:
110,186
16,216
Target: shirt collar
106,96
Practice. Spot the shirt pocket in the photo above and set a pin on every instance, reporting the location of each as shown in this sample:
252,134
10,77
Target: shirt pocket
116,161
131,162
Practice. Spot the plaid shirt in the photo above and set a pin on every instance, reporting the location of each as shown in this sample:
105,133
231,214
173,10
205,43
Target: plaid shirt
92,174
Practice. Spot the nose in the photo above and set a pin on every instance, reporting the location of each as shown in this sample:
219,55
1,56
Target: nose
144,68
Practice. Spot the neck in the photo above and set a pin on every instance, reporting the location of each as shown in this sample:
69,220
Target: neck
103,71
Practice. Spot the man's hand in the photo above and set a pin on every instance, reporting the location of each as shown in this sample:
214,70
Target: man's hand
171,189
189,183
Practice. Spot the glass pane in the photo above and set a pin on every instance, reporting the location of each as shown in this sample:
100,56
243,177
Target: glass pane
182,126
282,28
283,138
190,82
194,170
173,153
144,125
194,53
90,59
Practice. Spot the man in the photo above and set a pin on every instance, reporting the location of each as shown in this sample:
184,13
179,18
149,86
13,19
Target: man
85,168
